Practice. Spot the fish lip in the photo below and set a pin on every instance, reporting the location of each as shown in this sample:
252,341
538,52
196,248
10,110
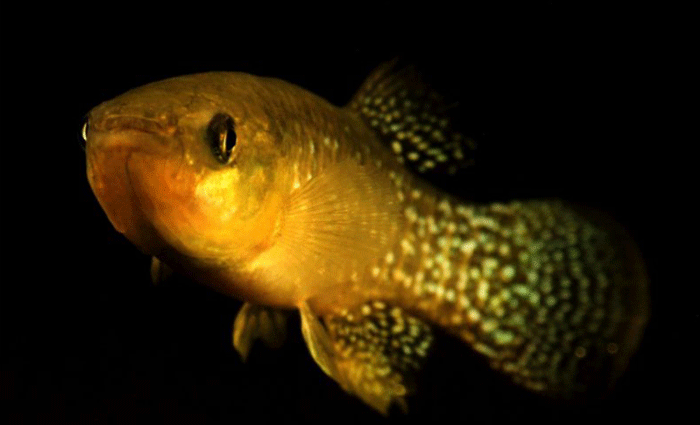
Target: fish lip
153,244
160,237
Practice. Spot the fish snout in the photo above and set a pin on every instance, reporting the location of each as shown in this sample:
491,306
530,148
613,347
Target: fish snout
150,136
164,124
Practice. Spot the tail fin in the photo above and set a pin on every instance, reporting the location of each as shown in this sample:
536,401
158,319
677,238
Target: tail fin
554,296
628,309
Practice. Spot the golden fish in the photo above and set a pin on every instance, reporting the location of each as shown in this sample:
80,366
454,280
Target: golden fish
270,194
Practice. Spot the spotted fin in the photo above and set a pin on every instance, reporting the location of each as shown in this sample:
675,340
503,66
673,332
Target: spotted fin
370,351
414,121
258,322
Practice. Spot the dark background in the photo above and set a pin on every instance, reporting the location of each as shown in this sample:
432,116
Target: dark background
562,103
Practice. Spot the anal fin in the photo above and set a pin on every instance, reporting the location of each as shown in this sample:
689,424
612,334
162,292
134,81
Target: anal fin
370,351
258,322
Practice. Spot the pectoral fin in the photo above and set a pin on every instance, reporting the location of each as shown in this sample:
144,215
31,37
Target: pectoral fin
160,272
371,351
258,322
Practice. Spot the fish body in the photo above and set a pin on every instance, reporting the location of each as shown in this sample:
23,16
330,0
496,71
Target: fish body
269,193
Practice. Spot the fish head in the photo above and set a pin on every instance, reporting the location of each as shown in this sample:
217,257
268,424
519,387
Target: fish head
186,167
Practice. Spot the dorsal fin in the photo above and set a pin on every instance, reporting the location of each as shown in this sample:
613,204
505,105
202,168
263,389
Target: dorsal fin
414,121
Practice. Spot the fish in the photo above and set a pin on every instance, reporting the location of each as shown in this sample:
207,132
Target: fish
268,193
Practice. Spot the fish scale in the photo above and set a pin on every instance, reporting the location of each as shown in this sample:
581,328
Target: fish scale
266,192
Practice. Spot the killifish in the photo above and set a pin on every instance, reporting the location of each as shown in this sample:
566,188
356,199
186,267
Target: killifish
270,194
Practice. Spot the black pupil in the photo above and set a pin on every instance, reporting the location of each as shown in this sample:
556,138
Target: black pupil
221,136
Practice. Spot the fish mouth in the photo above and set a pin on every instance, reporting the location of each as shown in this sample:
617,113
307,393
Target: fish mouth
118,165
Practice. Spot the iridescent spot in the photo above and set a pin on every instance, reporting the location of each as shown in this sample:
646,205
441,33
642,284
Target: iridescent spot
411,214
502,337
463,301
407,247
489,325
389,257
468,247
508,273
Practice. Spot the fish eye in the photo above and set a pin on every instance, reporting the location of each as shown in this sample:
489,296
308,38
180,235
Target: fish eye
221,136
